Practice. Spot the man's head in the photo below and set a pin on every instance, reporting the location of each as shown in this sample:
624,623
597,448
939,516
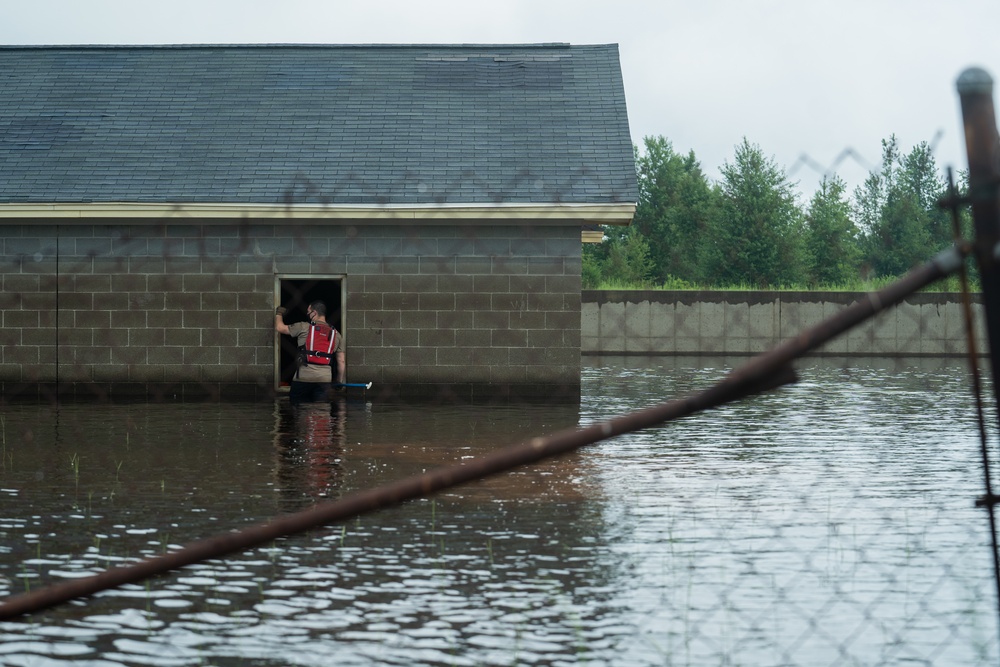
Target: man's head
316,309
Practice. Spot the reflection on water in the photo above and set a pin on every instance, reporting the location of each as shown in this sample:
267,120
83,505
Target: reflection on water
829,522
309,442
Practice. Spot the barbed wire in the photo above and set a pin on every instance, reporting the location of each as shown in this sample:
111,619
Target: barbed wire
807,161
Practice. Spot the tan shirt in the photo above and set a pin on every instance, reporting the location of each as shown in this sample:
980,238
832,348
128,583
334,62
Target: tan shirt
313,372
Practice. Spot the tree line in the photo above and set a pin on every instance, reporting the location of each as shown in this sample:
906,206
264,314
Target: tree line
750,230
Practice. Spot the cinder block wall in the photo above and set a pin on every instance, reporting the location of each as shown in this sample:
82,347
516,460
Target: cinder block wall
491,306
747,323
186,308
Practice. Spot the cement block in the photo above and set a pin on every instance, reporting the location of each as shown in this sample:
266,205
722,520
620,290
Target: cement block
713,344
662,317
29,355
221,373
935,346
383,356
149,372
640,344
838,345
511,373
763,321
612,344
954,322
455,319
637,320
737,320
612,322
560,320
737,344
202,355
165,355
712,321
796,317
436,337
491,320
908,329
687,344
932,324
955,347
884,328
510,338
860,338
546,266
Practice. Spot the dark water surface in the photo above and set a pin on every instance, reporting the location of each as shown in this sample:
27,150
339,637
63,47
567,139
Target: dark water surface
830,522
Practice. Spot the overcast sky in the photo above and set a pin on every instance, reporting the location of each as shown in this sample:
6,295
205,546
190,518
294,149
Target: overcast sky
796,77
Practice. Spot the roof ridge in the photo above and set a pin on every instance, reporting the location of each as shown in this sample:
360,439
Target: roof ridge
280,45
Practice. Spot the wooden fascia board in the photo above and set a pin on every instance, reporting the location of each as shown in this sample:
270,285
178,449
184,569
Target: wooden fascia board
561,214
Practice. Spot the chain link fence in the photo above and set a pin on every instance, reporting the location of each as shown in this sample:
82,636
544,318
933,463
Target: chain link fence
830,522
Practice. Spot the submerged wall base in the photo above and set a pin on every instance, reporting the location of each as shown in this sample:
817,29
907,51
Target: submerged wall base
548,393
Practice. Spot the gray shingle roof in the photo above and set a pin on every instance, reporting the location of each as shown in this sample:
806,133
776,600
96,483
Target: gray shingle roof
306,123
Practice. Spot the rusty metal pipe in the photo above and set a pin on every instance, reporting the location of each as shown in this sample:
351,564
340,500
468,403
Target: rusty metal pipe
982,145
766,371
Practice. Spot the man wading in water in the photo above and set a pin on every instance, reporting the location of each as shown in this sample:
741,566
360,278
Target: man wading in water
319,345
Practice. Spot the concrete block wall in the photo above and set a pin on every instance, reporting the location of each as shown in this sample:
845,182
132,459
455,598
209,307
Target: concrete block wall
747,323
491,306
187,307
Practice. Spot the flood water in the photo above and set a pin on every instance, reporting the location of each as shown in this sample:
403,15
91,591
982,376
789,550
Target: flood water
831,522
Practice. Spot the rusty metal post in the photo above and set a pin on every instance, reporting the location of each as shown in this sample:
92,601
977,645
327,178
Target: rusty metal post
975,88
982,145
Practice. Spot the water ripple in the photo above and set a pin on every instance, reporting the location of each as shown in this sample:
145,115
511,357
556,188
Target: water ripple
833,517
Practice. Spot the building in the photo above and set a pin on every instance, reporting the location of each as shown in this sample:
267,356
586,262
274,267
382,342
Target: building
158,202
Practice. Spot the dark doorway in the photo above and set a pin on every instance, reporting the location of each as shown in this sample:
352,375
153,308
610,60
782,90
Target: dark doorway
296,294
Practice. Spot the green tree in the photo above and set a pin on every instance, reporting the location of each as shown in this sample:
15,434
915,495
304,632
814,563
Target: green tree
758,236
831,238
675,203
628,259
966,229
896,210
591,270
622,258
922,179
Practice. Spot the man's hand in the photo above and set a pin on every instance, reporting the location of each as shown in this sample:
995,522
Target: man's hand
280,310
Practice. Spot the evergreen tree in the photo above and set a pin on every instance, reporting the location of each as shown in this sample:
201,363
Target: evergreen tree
622,258
675,203
831,243
897,211
758,236
591,270
922,179
628,260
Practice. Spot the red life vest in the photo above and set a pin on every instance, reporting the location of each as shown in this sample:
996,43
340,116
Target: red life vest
320,344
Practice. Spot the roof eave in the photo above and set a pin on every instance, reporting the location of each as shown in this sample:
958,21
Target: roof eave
557,213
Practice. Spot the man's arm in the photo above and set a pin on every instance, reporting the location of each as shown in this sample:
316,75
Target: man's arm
279,321
341,368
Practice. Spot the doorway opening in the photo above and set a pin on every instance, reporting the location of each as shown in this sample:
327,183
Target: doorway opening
296,293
